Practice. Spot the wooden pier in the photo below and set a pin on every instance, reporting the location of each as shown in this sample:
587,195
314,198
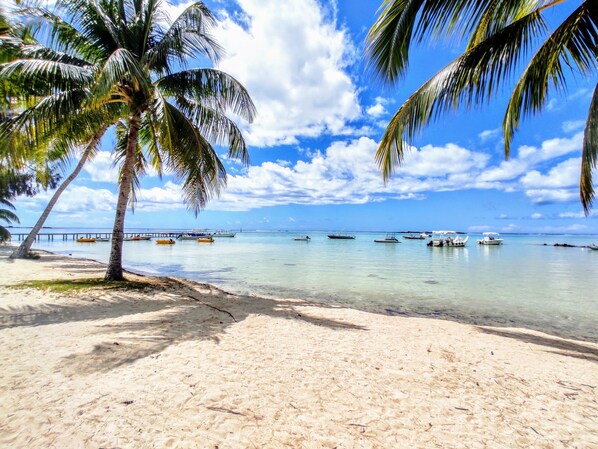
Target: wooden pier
51,236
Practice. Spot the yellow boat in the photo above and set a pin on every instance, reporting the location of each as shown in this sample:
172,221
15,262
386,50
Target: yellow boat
205,240
86,240
165,242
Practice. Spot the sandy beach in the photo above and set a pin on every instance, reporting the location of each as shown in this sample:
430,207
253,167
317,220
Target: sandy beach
179,364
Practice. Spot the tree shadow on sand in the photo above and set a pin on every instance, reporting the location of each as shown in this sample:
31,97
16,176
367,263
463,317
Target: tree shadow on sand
562,347
186,310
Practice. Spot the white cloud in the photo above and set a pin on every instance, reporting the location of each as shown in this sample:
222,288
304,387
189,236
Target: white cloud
537,216
547,196
292,60
489,134
565,174
378,109
439,161
101,168
528,156
573,125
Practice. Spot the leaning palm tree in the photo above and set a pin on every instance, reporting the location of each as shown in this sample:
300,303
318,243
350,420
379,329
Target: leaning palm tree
173,117
500,35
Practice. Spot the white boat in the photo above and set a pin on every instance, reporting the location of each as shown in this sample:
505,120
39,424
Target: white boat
303,238
421,236
224,234
448,239
390,238
490,238
594,247
193,235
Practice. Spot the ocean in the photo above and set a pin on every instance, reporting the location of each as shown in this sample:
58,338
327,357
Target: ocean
526,282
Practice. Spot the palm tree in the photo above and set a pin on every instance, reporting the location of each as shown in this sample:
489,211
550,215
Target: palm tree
172,116
501,34
46,87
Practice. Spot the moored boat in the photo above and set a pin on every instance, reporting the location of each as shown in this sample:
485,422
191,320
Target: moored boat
165,242
447,239
141,237
341,236
193,235
86,240
421,236
224,234
390,238
490,238
303,238
207,239
594,247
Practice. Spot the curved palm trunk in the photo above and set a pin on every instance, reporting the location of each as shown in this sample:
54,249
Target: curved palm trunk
25,247
114,272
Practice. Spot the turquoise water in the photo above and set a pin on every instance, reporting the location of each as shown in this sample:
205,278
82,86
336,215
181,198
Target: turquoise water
521,283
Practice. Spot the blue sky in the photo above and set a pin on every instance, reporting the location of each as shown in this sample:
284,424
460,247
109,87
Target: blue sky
320,117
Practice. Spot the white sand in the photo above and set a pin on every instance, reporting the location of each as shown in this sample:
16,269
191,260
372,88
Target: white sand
163,368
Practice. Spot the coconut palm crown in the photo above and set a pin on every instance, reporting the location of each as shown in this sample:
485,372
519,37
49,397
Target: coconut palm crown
501,34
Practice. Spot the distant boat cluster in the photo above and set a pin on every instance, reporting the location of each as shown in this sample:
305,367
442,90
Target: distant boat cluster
198,235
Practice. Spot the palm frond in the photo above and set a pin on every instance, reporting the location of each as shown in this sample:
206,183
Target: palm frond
213,88
470,79
589,155
574,45
189,36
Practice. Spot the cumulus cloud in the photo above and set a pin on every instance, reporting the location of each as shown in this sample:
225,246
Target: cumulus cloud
101,168
565,174
549,196
573,125
292,59
378,109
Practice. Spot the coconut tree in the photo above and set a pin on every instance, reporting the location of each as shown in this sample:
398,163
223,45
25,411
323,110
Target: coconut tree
47,116
174,114
501,34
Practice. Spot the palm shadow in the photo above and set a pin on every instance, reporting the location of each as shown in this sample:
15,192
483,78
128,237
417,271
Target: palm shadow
181,311
562,347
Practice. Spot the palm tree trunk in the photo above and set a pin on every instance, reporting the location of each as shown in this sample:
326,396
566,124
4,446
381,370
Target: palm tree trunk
25,247
114,272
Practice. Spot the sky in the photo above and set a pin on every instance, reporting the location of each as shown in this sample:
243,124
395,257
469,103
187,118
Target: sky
321,114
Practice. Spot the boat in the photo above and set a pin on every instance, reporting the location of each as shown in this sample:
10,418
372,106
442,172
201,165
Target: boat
86,240
303,238
448,239
490,238
141,237
208,239
594,247
102,239
224,234
165,242
390,238
193,235
421,236
341,236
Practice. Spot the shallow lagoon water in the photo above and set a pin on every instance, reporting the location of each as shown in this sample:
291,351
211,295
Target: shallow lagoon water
521,283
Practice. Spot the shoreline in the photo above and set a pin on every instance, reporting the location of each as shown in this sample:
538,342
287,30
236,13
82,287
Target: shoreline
440,312
184,364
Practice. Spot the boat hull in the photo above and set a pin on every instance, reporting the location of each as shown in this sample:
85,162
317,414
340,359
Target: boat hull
341,237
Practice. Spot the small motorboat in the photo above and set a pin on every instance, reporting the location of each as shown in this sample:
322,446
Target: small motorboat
141,237
102,239
594,247
490,238
86,240
341,237
303,238
208,239
390,238
421,236
165,242
224,234
193,235
447,239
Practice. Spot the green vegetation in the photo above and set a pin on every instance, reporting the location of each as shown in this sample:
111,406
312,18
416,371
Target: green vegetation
118,63
77,285
500,35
